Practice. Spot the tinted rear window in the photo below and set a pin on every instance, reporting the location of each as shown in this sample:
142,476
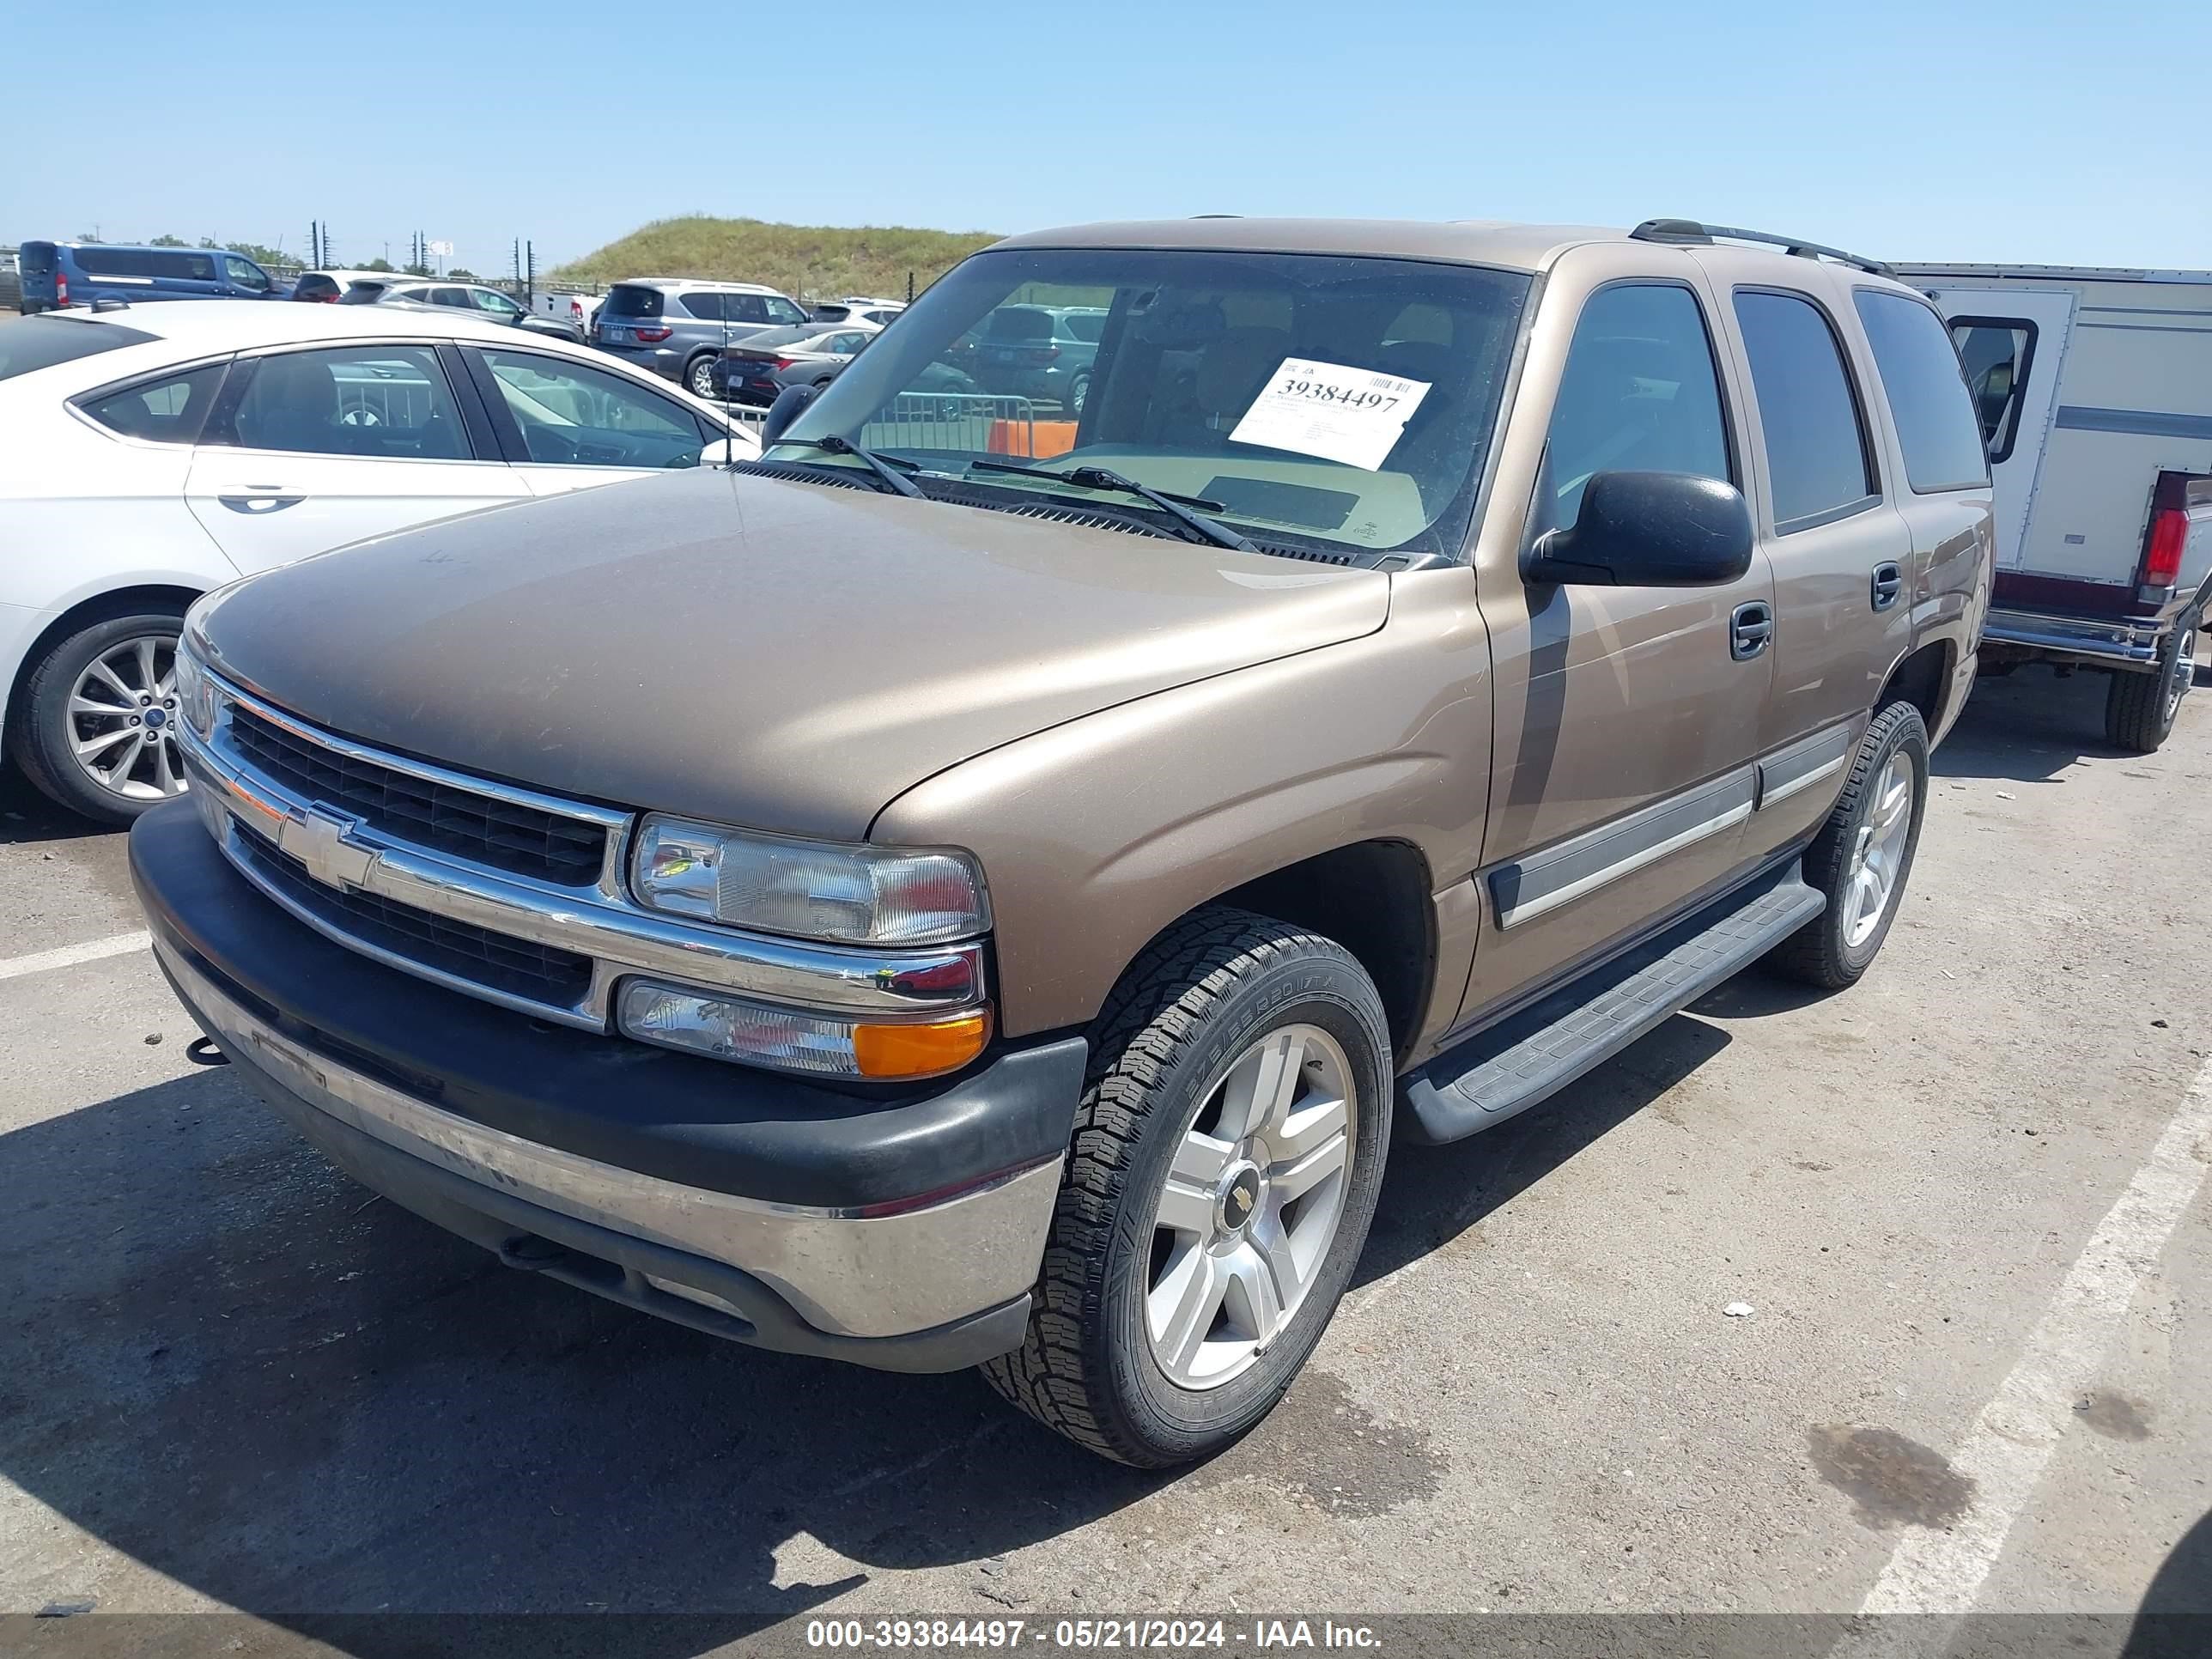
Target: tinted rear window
1018,323
38,259
1936,426
1816,455
42,341
626,301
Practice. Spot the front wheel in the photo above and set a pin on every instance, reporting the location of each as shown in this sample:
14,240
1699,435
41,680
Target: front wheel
700,377
1863,854
1228,1151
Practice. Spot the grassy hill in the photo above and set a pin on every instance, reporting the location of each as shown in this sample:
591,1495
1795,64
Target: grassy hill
807,260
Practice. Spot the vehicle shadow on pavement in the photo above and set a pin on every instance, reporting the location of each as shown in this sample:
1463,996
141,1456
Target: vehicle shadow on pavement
2030,725
2175,1619
225,1359
228,1361
1433,1194
27,815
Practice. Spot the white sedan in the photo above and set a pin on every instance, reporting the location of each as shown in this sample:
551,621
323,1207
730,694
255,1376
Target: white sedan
155,451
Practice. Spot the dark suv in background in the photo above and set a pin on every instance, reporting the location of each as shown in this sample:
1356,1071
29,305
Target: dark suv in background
677,328
1041,352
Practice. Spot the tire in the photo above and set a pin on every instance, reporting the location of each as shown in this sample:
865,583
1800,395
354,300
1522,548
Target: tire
1078,393
1837,946
2140,709
47,733
1173,1041
699,378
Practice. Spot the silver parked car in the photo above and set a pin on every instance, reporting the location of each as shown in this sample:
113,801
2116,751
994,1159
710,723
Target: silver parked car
676,327
475,298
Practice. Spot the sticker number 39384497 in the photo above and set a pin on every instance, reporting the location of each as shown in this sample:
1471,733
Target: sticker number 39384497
1339,413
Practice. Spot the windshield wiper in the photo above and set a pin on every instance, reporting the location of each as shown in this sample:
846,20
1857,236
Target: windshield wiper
1178,507
892,471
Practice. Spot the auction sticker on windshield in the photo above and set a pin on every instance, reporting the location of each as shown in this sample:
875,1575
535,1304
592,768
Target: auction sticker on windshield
1330,410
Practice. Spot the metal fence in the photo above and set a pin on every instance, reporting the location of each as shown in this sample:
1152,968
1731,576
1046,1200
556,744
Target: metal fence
957,421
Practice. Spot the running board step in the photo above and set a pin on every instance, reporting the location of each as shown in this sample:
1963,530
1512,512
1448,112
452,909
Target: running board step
1532,1055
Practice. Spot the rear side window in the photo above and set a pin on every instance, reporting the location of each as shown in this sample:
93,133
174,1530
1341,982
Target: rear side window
707,306
169,410
1998,354
1936,427
1639,394
1816,452
369,400
1018,323
629,300
43,342
115,262
745,308
1086,325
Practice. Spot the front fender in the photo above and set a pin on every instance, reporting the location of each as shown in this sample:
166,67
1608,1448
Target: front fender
1096,835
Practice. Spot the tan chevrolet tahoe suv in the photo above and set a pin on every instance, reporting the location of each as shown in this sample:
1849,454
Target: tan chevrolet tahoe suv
989,883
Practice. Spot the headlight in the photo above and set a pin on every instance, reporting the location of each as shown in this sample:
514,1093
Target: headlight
850,895
798,1039
195,692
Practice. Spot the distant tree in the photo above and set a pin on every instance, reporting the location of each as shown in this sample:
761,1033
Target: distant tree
462,274
378,264
418,271
169,241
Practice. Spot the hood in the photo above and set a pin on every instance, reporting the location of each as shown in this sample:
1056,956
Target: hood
784,656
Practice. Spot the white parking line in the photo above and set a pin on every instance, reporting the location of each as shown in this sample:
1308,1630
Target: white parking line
1943,1572
121,944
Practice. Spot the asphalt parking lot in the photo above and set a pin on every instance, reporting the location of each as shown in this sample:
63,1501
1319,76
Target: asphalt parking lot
231,1379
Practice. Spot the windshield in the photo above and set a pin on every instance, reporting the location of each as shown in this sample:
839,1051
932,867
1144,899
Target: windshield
1311,401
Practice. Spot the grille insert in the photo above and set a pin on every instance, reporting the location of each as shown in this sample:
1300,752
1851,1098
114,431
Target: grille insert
522,841
494,961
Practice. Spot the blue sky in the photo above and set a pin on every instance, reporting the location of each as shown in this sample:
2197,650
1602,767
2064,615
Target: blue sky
2028,131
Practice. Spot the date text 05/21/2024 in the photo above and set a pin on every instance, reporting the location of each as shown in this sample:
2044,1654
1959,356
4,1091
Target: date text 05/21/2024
1157,1634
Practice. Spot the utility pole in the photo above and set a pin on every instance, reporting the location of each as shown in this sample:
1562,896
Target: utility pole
530,269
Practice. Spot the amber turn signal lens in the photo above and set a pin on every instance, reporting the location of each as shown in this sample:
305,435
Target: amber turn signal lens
910,1051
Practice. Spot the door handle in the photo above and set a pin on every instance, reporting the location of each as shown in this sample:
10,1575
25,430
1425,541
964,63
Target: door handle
1750,626
1888,583
260,504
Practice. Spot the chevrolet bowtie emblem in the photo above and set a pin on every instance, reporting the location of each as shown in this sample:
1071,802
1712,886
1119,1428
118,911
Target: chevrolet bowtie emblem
317,839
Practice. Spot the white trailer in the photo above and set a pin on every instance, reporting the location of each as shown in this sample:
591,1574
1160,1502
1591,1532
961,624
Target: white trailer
2095,392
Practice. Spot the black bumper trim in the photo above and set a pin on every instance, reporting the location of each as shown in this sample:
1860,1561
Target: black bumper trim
700,1123
614,1264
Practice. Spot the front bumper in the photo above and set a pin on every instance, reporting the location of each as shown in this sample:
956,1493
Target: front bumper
899,1231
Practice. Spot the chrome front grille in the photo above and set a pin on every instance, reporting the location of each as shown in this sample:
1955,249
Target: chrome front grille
514,966
525,840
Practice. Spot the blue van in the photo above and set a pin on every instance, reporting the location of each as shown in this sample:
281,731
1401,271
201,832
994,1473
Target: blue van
57,274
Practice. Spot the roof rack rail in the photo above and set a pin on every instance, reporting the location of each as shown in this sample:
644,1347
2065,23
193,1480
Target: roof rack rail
1681,231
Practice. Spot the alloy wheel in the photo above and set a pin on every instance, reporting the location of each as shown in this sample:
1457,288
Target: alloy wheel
1872,880
1250,1206
122,719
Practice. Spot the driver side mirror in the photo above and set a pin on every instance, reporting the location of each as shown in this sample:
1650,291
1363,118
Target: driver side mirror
1649,530
789,404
